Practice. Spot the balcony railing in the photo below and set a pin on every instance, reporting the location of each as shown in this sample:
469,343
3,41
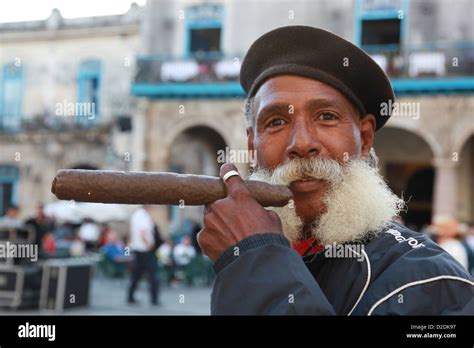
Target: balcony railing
170,77
47,123
157,69
427,60
430,67
426,68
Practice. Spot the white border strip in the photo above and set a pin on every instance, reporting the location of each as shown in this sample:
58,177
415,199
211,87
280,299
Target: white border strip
418,282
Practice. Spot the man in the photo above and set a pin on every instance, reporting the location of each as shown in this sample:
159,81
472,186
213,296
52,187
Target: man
142,244
114,253
184,252
89,233
448,237
41,224
11,219
314,104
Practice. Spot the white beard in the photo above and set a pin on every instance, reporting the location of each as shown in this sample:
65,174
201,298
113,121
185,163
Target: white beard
358,202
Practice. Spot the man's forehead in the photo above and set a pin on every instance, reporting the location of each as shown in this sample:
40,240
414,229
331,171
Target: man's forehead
321,55
293,90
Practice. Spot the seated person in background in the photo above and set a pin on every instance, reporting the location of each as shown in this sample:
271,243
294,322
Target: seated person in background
77,247
184,252
89,233
116,260
114,248
165,257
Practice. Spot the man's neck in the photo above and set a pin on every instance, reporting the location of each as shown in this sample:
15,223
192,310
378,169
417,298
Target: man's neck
306,233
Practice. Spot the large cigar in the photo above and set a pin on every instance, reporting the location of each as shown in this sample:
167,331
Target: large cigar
106,186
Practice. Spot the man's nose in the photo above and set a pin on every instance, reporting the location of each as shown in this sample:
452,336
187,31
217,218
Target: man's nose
304,142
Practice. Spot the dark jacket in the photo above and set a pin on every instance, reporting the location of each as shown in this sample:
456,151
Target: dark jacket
401,273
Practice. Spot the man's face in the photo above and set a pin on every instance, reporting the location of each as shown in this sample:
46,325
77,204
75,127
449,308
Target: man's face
40,213
297,117
186,240
13,213
448,229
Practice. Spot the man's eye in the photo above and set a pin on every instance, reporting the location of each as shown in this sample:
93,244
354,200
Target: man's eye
327,116
276,122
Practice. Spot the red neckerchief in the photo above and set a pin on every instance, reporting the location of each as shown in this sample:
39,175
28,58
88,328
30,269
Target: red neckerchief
302,247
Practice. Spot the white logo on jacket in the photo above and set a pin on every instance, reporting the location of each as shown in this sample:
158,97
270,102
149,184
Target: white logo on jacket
400,239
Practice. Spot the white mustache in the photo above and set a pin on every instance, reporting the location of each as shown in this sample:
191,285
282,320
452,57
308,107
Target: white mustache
358,201
303,168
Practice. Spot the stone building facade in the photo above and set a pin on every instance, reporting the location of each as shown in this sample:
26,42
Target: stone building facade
65,100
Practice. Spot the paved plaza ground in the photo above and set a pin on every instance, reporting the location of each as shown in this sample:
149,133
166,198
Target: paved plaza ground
108,297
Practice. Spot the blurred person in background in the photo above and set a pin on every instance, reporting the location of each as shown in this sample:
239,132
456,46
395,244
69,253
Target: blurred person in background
165,257
48,244
184,252
114,252
467,231
89,233
11,219
114,248
142,244
104,232
194,233
42,225
448,237
470,236
77,247
157,240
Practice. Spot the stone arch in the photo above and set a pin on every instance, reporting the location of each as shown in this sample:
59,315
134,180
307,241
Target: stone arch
466,131
195,150
406,161
388,135
425,135
85,157
466,142
190,122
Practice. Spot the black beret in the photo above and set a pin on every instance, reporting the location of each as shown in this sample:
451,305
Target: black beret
323,56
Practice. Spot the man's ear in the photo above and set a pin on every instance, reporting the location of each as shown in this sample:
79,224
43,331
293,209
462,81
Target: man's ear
250,138
250,143
367,133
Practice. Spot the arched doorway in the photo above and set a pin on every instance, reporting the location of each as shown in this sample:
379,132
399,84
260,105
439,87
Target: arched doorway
406,163
193,151
419,192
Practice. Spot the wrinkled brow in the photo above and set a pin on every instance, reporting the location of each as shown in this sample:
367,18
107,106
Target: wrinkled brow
283,107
